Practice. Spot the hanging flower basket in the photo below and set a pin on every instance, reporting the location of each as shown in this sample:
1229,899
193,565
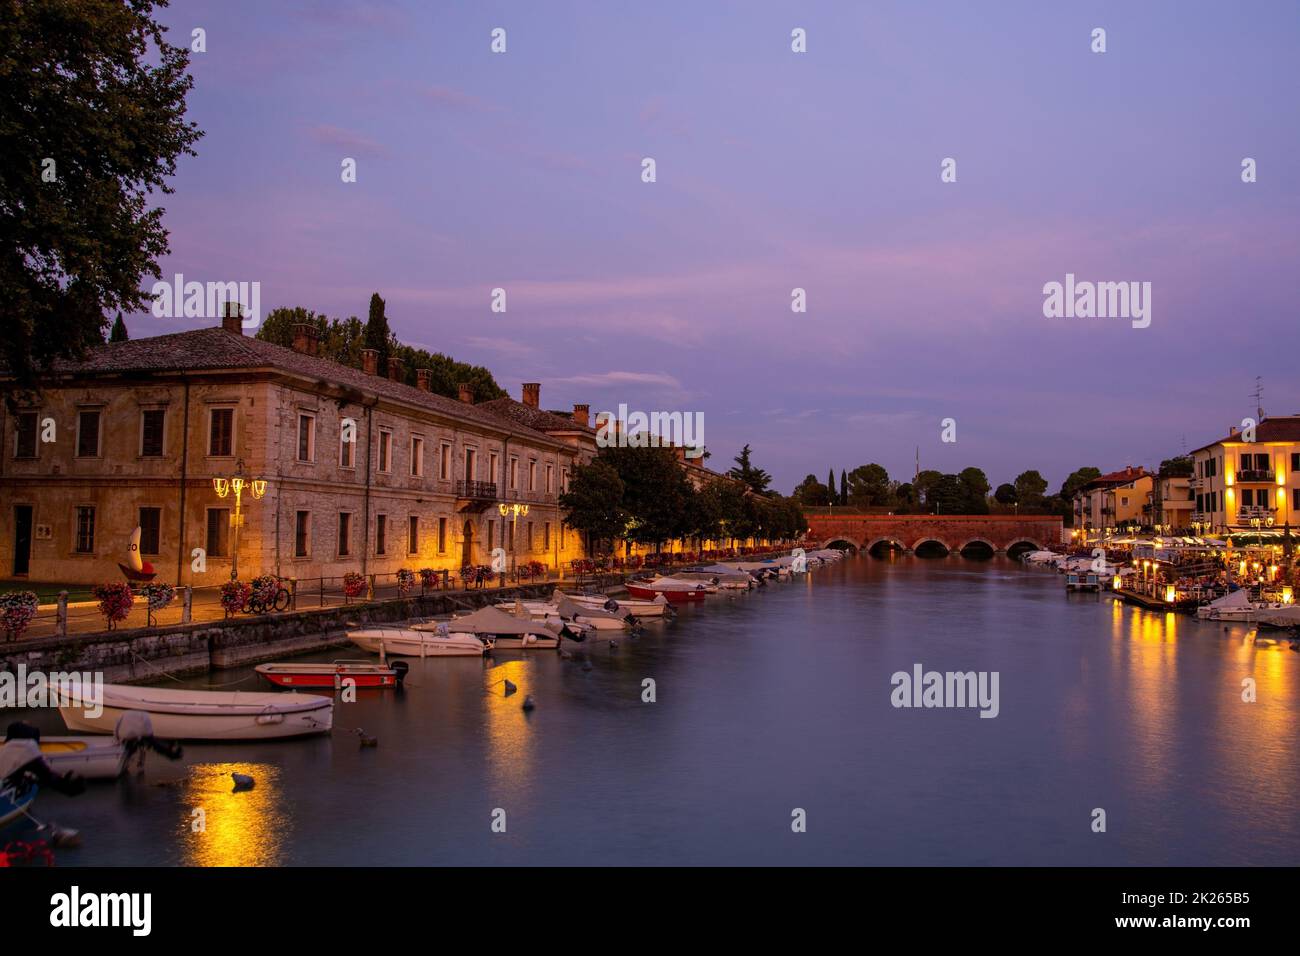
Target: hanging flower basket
157,597
17,608
428,578
354,585
234,595
115,602
405,581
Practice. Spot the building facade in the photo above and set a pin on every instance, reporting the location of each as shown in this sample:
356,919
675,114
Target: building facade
1240,484
1113,500
337,469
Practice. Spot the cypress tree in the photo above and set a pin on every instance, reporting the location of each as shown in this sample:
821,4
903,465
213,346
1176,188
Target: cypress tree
377,335
118,333
830,487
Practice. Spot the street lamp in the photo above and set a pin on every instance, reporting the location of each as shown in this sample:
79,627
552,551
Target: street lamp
513,511
237,483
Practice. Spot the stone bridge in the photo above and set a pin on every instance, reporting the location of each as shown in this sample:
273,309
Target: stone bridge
951,533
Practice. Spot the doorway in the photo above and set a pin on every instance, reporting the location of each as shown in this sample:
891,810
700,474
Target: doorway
22,539
467,548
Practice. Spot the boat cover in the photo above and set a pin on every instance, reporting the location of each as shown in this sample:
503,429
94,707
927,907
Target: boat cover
570,609
491,620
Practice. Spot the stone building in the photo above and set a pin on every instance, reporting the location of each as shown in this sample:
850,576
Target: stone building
361,472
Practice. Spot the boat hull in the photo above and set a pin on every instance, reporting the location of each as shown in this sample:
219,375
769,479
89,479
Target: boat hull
673,597
13,801
327,676
91,758
408,642
205,715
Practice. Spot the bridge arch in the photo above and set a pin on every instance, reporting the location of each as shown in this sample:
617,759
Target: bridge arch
978,547
1021,545
926,546
887,543
843,544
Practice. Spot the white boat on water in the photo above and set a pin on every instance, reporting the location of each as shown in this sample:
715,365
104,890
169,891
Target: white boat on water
91,758
201,714
655,608
1237,606
506,631
424,639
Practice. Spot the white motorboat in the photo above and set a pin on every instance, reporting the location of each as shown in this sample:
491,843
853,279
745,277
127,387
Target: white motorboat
506,631
656,608
424,639
91,758
201,714
550,613
1237,606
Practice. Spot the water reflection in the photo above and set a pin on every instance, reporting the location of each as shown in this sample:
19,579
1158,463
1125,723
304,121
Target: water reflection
224,828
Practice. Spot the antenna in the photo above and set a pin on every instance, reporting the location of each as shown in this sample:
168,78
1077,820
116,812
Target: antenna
1258,395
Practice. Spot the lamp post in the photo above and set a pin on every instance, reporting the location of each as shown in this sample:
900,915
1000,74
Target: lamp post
236,483
513,511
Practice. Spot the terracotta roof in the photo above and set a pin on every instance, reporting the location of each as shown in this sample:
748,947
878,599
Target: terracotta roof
1283,428
1122,477
535,418
216,349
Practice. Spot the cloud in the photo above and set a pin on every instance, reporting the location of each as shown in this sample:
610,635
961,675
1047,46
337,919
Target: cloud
451,98
351,143
623,378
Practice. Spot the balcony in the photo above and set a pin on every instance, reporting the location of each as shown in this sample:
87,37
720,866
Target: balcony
1255,476
475,495
1195,483
1262,512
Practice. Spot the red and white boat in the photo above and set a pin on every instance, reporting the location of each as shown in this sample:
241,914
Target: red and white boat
363,673
674,590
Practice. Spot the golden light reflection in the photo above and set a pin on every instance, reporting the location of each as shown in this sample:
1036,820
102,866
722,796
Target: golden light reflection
248,828
509,738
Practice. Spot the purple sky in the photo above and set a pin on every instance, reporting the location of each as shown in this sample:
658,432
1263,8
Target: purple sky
778,170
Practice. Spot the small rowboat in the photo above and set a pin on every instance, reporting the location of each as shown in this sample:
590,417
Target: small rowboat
655,608
201,714
410,642
362,673
91,758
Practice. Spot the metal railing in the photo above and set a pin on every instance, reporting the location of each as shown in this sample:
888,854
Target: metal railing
476,490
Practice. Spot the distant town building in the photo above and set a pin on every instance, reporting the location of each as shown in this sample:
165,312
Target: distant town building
1239,484
1113,500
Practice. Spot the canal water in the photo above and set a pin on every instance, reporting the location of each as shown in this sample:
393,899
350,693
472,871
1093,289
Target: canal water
766,703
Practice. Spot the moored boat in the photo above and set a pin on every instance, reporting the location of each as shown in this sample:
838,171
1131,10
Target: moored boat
506,631
654,608
419,640
91,758
201,714
361,673
674,590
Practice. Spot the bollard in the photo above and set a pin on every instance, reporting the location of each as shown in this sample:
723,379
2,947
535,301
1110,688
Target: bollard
187,604
370,589
61,616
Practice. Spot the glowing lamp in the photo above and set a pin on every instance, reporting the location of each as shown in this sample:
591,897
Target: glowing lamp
259,487
1170,593
221,486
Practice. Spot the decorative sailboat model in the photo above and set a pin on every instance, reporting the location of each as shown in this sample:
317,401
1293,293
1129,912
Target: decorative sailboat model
136,569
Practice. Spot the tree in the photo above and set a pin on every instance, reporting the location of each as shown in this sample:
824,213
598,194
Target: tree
949,496
1180,467
1030,486
91,126
1077,480
119,333
844,486
830,488
378,336
656,492
869,485
975,490
904,497
812,492
593,505
756,478
925,484
1005,495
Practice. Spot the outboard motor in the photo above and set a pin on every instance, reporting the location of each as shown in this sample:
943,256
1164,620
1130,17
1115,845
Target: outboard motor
400,669
611,605
135,730
571,634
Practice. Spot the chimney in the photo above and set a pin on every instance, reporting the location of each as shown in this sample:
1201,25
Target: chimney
1232,429
423,379
304,338
532,394
231,320
370,361
466,392
582,415
395,368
